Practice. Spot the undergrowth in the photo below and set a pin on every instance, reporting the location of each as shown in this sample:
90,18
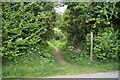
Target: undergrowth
34,65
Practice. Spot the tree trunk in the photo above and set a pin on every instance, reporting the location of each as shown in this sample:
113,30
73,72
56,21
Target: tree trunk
91,46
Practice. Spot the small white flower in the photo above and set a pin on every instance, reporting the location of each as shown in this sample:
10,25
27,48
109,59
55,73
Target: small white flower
79,50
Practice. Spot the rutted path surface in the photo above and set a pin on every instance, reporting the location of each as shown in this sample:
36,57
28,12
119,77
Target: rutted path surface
91,75
59,57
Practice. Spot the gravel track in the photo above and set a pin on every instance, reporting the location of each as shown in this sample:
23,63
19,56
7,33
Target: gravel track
90,75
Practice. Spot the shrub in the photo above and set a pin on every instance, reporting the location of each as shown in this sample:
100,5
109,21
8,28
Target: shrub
25,24
105,44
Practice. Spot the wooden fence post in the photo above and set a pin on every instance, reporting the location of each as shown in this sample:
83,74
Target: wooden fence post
91,45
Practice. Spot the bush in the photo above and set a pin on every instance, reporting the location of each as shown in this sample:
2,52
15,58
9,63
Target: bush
105,44
25,24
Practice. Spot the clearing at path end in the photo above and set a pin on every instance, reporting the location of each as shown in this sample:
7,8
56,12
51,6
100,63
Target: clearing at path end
90,75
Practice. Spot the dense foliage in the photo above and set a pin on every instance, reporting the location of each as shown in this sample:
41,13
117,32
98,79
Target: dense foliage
29,24
81,18
25,24
106,44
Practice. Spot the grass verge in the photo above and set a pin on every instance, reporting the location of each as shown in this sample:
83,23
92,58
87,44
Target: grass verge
36,70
